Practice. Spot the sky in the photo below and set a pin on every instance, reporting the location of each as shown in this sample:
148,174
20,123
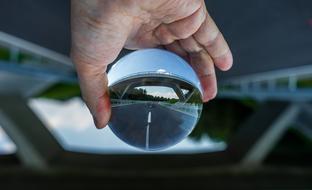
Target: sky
6,145
161,91
71,123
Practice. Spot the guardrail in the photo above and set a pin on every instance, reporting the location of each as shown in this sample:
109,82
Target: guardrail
186,108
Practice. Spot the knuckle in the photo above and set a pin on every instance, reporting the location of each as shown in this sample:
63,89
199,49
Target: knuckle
164,36
211,39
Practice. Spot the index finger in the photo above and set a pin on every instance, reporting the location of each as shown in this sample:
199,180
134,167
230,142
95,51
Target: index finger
209,36
93,85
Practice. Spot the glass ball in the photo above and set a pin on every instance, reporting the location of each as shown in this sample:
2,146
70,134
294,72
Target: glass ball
156,99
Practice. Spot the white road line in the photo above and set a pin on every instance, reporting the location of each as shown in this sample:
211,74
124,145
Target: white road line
149,119
147,137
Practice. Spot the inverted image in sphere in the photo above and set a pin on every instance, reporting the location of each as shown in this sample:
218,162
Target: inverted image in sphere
153,108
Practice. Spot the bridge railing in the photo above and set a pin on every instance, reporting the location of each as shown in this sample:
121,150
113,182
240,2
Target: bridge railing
17,45
25,58
291,84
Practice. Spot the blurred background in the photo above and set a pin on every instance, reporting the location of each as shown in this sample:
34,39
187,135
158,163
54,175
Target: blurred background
256,133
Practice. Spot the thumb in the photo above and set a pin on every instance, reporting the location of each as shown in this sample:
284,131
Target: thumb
97,39
91,69
93,85
93,81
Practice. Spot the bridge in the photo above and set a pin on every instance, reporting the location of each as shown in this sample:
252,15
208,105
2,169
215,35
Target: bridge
290,84
186,108
271,43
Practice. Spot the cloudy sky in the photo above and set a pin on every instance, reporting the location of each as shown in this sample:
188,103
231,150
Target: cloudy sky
72,125
161,91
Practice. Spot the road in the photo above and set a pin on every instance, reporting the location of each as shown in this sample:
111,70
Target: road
264,35
150,126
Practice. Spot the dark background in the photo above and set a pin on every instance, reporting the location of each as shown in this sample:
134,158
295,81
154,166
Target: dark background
263,34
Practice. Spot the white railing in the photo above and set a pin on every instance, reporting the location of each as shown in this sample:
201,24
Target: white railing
295,72
276,84
186,108
40,62
15,45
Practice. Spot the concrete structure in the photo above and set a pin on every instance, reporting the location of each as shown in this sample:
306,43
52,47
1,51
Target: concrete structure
266,46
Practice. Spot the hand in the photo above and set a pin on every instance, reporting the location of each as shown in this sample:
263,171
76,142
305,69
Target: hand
101,28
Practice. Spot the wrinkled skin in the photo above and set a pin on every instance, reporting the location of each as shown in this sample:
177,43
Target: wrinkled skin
101,28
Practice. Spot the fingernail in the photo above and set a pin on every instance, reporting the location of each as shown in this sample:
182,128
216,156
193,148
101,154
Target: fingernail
101,116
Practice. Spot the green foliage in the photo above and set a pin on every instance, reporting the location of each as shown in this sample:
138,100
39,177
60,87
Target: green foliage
220,118
251,103
195,98
62,91
24,57
4,54
141,94
306,141
305,83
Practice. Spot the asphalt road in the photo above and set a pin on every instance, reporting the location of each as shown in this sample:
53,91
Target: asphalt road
166,126
264,35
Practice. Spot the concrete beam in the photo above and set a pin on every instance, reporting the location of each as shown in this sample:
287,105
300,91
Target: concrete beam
36,146
303,122
261,132
13,83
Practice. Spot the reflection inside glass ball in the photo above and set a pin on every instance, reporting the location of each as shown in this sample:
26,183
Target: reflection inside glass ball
154,112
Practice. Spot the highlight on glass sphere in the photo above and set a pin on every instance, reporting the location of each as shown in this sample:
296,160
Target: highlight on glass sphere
156,99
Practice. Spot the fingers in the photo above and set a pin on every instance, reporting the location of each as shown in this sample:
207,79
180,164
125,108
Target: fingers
181,29
176,48
93,84
198,39
209,36
203,65
190,45
95,45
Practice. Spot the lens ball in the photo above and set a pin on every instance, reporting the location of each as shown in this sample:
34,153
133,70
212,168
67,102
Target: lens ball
156,99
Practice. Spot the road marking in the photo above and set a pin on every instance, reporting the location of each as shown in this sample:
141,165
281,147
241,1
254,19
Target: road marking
149,119
147,137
